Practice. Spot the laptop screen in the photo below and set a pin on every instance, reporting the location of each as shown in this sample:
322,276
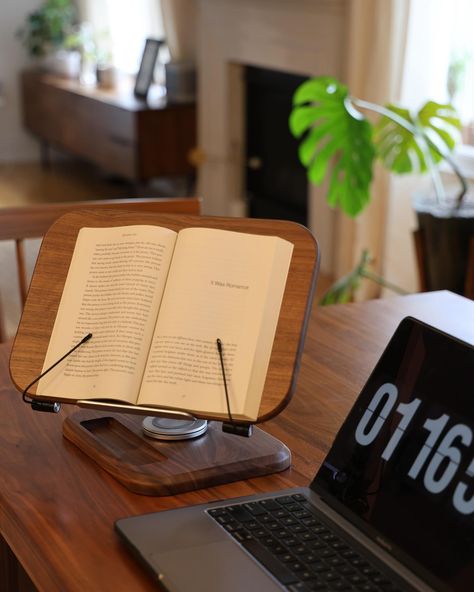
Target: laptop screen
402,465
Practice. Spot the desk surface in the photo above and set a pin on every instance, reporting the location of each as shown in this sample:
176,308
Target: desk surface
57,507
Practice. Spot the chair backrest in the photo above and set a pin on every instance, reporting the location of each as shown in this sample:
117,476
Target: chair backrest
27,222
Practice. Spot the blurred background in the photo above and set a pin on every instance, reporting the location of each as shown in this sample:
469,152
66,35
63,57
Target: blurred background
222,84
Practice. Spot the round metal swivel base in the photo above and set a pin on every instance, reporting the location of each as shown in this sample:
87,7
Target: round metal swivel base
164,428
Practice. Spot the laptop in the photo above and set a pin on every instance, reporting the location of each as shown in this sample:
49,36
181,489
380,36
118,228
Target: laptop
391,508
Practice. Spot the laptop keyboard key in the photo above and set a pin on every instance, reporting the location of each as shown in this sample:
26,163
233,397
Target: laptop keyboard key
270,505
255,508
356,579
330,576
336,561
240,513
319,567
327,553
285,499
281,514
281,572
340,585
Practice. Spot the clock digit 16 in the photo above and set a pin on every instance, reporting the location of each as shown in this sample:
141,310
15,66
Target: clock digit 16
446,452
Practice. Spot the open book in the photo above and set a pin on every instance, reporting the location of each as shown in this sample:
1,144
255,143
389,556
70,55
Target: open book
156,302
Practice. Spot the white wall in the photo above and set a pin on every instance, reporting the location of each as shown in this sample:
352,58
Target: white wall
15,143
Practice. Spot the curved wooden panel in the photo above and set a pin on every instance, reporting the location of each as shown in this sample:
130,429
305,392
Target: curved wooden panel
48,280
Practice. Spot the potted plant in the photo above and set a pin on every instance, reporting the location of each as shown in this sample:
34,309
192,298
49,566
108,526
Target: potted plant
340,142
48,36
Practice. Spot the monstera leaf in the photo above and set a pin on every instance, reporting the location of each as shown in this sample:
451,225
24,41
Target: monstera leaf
404,142
336,141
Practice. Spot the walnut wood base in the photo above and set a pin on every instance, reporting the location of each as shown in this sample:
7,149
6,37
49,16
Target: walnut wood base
151,467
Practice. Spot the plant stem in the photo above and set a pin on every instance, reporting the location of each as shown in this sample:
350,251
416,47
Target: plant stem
383,282
416,132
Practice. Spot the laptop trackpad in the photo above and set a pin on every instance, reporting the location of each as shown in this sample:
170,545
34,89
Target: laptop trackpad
220,565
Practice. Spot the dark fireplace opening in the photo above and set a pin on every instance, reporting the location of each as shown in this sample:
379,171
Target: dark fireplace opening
276,183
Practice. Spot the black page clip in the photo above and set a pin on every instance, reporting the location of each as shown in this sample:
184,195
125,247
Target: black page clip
231,427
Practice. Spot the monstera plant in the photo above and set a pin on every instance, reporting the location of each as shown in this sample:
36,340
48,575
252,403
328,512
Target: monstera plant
339,142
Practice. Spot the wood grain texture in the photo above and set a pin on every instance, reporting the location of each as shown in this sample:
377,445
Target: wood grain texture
151,467
47,284
57,507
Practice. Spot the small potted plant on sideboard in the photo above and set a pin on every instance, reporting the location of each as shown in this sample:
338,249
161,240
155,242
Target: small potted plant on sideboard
340,142
49,37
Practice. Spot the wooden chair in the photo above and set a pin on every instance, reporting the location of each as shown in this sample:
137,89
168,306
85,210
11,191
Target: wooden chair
29,222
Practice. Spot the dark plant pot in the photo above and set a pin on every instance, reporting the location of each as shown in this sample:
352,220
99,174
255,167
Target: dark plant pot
446,233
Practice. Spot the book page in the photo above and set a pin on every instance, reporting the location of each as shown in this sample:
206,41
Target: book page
113,290
225,285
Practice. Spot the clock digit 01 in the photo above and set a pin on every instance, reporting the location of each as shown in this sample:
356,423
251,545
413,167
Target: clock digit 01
387,391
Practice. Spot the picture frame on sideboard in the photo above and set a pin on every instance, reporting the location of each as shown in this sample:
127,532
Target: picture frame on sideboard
147,66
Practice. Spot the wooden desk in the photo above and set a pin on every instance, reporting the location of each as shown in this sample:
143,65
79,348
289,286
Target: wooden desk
113,129
57,508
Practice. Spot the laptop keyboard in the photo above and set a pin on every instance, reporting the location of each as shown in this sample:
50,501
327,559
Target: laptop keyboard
286,535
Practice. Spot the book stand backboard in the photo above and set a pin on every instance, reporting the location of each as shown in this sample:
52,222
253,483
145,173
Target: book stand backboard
115,439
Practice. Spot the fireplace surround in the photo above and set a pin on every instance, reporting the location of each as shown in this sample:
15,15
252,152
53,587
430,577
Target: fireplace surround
304,37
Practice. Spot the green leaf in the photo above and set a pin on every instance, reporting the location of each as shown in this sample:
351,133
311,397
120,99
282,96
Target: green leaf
396,146
405,150
301,119
306,148
336,142
442,125
318,89
343,290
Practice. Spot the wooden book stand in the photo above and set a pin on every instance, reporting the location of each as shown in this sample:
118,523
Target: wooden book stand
115,440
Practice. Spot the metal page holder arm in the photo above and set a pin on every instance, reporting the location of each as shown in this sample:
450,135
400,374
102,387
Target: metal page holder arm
229,427
49,406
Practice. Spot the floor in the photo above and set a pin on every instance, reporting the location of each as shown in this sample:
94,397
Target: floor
22,184
26,183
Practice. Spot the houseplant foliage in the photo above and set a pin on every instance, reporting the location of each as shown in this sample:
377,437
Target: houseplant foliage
339,141
345,288
340,144
48,28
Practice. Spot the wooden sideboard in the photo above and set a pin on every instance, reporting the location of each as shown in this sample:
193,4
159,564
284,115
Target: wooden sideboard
126,136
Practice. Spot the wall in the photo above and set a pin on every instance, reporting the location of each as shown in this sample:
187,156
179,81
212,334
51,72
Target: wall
15,144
